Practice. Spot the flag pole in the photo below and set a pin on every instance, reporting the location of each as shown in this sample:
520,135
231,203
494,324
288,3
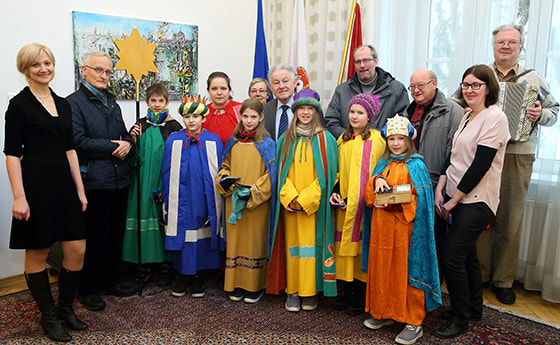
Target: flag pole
347,43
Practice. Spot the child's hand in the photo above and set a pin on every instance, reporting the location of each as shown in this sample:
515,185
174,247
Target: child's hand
293,205
136,131
336,200
381,184
380,206
439,201
227,182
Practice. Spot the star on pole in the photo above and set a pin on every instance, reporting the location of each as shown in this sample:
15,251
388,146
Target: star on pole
136,55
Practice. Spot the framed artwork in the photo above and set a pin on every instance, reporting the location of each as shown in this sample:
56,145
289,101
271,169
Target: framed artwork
176,54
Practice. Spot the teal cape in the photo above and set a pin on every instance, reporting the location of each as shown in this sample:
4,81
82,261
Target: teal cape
325,156
422,260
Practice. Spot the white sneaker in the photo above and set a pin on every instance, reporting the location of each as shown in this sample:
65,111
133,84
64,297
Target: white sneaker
309,303
293,303
372,323
409,334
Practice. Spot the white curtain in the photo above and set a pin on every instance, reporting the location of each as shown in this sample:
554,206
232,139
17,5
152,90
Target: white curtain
400,30
326,24
539,256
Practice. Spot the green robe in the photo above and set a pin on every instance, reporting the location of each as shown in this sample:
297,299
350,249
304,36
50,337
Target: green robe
148,162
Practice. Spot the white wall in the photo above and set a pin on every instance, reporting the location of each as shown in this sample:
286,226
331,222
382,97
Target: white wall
226,43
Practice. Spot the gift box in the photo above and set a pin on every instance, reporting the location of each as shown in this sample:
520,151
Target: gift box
399,194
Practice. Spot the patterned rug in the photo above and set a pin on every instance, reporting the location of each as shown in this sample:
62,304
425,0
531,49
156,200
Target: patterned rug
159,318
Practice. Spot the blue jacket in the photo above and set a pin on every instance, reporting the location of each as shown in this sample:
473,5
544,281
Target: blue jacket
94,126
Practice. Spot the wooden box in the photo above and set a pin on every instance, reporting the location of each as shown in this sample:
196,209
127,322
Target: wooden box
400,194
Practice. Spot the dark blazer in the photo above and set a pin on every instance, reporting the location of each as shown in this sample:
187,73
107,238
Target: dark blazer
269,111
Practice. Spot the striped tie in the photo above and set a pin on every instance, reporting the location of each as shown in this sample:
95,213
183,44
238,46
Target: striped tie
283,121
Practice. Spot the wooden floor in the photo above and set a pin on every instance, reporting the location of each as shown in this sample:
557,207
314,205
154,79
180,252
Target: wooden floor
528,303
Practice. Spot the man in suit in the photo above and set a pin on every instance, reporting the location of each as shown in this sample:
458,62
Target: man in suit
278,112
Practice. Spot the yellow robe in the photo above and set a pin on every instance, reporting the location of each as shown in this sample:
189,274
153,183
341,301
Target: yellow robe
353,174
302,183
246,264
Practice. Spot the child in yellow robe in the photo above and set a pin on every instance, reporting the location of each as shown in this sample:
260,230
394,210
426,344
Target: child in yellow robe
359,149
302,258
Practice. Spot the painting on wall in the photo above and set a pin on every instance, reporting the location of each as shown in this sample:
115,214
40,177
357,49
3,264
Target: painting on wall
176,54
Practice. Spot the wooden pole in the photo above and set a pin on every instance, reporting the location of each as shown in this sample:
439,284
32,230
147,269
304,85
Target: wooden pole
347,43
140,278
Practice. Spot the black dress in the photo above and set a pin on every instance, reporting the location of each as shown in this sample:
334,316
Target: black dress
41,141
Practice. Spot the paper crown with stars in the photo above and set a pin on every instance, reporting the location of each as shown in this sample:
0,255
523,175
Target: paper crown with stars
398,125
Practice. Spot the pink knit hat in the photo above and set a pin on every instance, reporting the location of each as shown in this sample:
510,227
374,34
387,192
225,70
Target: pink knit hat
369,102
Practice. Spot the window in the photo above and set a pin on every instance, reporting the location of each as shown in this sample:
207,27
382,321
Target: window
549,141
460,35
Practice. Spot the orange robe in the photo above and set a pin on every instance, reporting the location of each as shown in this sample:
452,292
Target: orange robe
389,296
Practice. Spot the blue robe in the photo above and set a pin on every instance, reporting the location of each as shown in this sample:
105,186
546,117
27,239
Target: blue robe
191,202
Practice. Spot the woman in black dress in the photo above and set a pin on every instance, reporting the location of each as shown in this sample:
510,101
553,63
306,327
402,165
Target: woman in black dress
49,198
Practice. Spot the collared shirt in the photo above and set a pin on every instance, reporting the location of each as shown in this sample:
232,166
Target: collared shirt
279,114
506,77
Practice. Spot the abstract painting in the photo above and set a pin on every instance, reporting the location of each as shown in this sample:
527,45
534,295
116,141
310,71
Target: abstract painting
176,53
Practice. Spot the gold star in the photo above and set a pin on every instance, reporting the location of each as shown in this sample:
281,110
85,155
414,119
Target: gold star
136,55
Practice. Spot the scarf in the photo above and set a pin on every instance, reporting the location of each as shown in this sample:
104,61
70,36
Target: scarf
400,158
246,137
97,93
303,130
193,137
352,137
157,118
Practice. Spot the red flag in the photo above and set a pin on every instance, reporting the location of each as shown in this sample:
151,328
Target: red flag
355,42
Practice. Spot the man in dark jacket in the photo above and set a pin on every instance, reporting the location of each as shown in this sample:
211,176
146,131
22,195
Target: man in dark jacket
369,79
102,144
436,120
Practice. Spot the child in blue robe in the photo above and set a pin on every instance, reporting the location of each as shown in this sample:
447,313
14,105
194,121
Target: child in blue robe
191,202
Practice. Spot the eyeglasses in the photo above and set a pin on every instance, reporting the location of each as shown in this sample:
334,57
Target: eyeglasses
100,70
474,86
256,92
504,42
419,86
359,62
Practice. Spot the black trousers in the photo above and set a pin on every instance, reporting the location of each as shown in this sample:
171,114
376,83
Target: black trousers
460,262
105,221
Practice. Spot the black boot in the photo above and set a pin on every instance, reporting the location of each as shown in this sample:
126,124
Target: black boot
40,288
343,302
67,285
358,300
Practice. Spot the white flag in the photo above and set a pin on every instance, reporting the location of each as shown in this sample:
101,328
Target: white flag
298,48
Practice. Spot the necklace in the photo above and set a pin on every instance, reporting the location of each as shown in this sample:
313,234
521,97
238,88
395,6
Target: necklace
40,99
